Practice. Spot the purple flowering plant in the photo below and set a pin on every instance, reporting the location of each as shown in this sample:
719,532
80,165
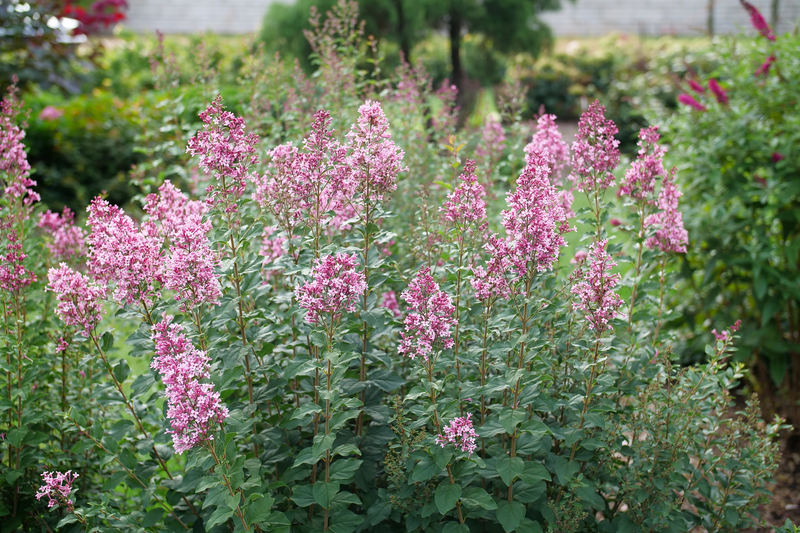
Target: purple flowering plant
353,321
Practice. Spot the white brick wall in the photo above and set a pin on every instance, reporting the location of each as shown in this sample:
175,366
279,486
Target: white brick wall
661,17
584,17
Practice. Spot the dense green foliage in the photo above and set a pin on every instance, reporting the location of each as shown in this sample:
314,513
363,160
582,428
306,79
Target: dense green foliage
740,167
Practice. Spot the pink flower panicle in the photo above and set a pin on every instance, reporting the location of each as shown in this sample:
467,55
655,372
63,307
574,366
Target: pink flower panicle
598,300
285,189
334,289
226,151
725,336
718,91
465,205
14,167
194,408
389,301
445,120
765,67
758,22
124,254
68,240
535,221
14,275
188,269
493,143
428,324
272,247
547,141
640,179
79,298
460,433
57,487
670,235
375,159
595,152
50,113
489,283
688,99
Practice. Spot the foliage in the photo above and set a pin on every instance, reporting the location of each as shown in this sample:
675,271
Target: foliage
271,377
739,166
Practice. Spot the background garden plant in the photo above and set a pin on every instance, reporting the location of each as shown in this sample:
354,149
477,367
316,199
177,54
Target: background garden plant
346,323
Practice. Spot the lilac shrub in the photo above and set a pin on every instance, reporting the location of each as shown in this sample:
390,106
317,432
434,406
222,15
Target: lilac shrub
515,384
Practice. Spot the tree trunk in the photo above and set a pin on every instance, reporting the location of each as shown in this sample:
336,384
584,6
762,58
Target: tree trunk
710,19
405,44
773,15
455,48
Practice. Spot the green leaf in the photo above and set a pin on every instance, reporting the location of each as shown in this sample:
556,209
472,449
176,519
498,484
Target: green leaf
219,516
344,469
142,384
510,515
324,493
152,517
477,497
534,472
114,480
303,495
69,519
386,380
447,496
345,521
121,370
509,468
510,418
15,436
127,458
565,469
107,341
425,470
258,510
455,527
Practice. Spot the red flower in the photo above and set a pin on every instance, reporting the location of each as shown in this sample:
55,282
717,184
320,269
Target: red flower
765,66
758,22
719,92
688,99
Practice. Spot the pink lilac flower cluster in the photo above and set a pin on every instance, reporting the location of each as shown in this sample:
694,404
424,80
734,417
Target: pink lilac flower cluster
598,300
302,186
640,179
68,240
670,235
534,222
548,143
460,433
124,254
493,143
388,300
14,275
225,150
79,298
430,319
725,336
194,408
595,152
57,487
334,289
189,266
758,22
13,159
465,205
273,246
375,159
489,283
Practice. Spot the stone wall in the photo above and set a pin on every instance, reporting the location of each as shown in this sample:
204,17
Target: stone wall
583,17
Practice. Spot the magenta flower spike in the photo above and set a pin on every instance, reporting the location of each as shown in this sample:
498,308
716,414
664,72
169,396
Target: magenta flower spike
670,235
335,288
688,99
640,180
718,91
548,143
758,21
79,298
465,205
